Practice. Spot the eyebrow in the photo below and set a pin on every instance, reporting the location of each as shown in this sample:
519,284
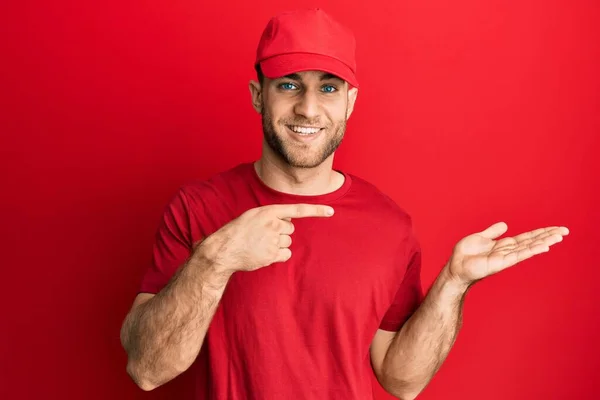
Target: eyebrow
324,77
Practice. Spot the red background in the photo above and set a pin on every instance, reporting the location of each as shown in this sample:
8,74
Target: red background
470,112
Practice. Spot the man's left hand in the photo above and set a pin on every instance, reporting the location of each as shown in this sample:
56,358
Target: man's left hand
479,255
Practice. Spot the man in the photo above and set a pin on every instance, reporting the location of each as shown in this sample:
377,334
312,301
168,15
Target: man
270,318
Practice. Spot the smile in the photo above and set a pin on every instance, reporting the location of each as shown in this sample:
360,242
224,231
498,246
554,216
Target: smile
304,130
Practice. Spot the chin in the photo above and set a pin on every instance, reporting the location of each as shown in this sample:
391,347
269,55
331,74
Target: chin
309,155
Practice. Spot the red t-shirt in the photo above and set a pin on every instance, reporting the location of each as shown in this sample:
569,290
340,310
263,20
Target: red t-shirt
299,329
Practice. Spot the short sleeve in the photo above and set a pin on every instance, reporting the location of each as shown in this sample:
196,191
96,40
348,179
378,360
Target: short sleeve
410,293
172,245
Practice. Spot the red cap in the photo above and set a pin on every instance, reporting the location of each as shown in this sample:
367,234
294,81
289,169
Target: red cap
307,40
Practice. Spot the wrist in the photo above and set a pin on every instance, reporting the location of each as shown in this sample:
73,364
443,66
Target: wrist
207,258
451,283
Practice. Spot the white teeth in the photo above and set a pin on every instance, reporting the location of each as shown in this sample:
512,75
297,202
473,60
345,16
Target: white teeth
304,131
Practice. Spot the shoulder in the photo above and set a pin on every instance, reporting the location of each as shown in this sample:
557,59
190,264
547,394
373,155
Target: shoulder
213,193
379,203
216,187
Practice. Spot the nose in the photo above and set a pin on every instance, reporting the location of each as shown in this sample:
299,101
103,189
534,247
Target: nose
307,105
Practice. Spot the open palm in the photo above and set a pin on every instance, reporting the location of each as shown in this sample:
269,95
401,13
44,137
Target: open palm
480,255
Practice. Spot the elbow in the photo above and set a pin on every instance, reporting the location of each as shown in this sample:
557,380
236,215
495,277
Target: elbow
407,396
402,395
150,379
141,379
400,390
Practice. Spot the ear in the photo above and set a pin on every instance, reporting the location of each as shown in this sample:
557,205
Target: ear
256,92
352,94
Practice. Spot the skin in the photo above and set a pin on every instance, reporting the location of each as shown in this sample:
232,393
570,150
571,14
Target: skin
289,163
163,333
405,361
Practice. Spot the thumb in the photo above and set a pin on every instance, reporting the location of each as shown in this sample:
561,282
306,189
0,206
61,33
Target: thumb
494,231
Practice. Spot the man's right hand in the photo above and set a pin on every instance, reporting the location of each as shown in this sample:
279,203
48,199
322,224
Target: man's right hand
260,236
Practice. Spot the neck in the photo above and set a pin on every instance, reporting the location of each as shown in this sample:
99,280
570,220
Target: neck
280,176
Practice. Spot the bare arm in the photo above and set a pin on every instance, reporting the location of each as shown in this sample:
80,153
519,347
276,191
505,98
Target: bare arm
163,334
405,361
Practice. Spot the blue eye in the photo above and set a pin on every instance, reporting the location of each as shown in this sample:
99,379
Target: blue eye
287,86
329,89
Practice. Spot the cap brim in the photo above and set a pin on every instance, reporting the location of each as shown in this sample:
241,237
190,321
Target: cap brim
285,64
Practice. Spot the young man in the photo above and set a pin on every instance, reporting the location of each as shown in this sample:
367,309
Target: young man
270,318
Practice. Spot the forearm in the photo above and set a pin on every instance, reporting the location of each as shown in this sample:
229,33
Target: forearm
418,350
163,336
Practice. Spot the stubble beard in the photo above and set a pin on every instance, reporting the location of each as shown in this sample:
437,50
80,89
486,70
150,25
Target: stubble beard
295,154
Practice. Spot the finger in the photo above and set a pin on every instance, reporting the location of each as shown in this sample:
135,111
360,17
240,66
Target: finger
537,247
537,233
284,241
547,238
547,241
523,240
495,230
286,228
302,210
283,255
549,235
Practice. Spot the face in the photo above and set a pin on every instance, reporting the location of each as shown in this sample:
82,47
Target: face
304,115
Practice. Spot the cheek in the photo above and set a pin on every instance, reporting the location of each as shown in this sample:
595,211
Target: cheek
280,113
337,112
277,106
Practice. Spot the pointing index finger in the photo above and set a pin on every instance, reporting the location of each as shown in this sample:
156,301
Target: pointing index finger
303,211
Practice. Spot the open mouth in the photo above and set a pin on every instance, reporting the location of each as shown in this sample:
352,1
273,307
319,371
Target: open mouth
304,130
